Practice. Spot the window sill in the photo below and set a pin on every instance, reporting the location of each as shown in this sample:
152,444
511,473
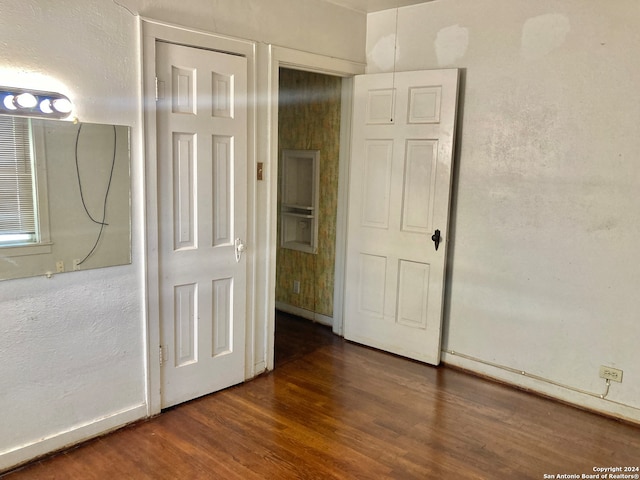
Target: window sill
22,250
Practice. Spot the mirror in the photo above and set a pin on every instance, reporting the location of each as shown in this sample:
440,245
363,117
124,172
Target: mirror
81,190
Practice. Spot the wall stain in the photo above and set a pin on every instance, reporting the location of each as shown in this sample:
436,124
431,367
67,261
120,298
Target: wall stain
543,34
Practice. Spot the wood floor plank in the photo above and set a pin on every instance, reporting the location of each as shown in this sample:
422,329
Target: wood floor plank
336,410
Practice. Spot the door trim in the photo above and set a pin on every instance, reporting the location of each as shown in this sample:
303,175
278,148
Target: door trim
298,60
152,31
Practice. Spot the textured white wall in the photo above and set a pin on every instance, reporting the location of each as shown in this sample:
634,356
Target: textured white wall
546,214
306,25
72,348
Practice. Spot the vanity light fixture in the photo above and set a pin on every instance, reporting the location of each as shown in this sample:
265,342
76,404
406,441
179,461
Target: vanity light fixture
34,103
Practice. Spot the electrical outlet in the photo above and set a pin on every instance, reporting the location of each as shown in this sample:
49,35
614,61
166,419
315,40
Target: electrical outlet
76,264
59,266
611,373
296,287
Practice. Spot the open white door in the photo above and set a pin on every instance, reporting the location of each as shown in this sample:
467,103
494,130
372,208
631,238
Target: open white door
202,212
399,190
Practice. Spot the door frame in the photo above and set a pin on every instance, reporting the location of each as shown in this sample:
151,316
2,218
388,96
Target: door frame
152,31
311,62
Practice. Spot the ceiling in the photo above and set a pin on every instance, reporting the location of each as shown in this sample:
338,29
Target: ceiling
368,6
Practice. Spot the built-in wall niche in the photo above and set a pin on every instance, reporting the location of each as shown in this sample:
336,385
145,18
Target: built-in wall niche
300,185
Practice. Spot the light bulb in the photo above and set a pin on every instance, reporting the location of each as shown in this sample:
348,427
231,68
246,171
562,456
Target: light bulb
8,103
26,100
62,105
45,106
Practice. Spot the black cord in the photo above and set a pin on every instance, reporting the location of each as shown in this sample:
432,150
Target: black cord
106,194
80,181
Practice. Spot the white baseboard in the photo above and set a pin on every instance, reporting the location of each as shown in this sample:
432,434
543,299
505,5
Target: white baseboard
25,453
545,388
308,314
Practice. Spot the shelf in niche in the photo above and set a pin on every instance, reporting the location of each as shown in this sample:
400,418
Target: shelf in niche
297,207
299,215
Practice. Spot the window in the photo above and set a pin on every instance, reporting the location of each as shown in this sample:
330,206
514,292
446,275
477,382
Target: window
17,202
23,219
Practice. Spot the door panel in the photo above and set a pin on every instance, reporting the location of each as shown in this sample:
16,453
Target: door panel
184,193
202,210
222,189
399,191
377,183
419,185
185,301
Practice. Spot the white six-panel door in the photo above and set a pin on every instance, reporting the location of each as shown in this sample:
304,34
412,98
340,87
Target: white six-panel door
400,181
202,211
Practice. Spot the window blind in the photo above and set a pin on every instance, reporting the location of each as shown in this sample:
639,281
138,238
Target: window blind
17,210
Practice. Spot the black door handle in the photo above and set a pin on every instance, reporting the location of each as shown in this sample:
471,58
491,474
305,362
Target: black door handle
436,238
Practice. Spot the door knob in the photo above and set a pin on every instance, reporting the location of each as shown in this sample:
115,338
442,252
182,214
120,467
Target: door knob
436,238
240,247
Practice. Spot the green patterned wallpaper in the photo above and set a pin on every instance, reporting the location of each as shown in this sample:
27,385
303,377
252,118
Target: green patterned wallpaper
309,119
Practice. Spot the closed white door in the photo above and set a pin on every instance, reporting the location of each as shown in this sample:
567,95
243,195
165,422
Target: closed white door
202,211
400,182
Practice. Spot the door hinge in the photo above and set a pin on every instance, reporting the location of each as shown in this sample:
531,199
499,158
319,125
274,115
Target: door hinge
159,90
163,354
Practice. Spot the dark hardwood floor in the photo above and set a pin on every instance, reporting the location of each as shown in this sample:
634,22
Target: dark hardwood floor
332,409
